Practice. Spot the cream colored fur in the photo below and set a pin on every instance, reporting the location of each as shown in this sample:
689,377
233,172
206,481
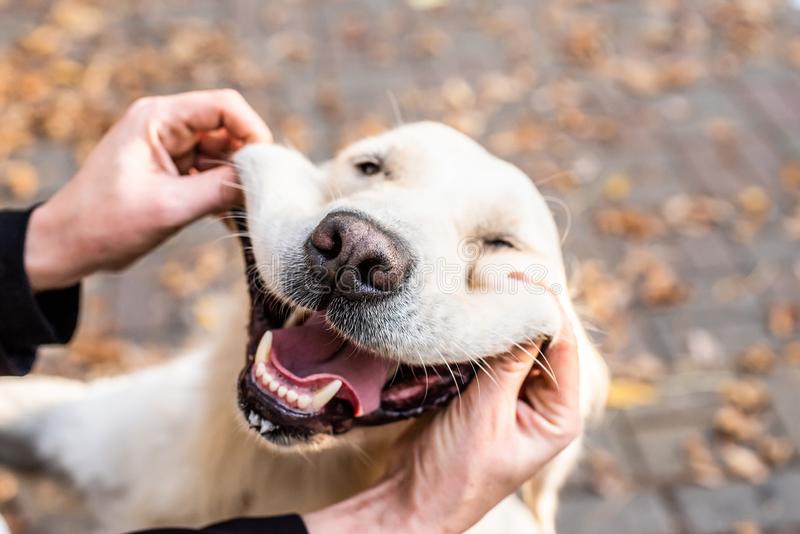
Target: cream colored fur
168,445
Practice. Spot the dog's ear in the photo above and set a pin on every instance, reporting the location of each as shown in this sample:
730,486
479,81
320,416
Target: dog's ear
594,376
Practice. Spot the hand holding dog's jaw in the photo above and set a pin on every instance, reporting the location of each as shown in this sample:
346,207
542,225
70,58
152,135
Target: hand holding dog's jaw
131,192
512,425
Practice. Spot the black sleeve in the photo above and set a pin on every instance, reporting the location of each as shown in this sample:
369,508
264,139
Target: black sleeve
282,524
28,320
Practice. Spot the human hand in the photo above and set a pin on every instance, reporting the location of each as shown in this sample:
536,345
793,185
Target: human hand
475,453
133,192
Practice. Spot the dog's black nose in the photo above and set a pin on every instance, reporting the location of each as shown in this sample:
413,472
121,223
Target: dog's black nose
356,258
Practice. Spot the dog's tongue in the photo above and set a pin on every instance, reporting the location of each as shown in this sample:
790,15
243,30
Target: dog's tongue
315,351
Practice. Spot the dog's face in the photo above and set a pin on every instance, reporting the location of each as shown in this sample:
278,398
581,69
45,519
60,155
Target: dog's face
382,279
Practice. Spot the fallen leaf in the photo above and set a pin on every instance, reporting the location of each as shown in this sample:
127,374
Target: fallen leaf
754,201
791,353
747,394
625,393
743,463
628,222
746,527
617,187
775,451
21,179
735,424
697,214
583,43
782,319
702,467
426,5
790,175
757,359
607,479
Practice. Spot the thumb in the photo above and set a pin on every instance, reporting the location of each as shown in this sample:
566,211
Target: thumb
506,375
209,192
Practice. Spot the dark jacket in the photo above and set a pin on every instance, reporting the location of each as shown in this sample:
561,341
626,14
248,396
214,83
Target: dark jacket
29,319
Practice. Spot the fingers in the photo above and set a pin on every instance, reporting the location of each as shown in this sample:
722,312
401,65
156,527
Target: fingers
206,193
560,368
184,117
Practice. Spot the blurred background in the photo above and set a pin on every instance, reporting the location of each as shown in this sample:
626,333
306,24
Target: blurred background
665,134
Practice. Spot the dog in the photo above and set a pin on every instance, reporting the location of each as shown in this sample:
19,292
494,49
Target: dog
378,282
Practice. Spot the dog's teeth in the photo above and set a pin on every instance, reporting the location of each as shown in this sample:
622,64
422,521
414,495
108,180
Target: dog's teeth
261,369
303,402
253,419
264,348
273,386
266,426
292,396
268,377
324,395
282,390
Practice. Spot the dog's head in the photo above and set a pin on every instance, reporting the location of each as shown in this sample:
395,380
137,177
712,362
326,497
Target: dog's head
381,280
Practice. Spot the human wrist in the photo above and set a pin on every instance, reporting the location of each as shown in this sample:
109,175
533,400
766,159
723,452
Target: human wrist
51,257
381,507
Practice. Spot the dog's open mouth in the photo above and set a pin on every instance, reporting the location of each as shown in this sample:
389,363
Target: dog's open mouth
303,377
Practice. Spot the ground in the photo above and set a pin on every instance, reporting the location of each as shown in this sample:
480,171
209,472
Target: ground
665,133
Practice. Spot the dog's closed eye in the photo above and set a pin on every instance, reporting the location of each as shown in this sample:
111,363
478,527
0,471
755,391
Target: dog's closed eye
369,166
498,243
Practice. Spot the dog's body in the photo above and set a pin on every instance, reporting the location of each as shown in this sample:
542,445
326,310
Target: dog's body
168,445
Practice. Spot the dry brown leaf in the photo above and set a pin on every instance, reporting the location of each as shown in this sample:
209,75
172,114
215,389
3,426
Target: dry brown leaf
606,476
291,45
782,319
628,222
735,424
695,215
44,41
644,367
640,77
680,73
748,395
757,359
754,201
617,187
583,43
426,5
791,353
746,527
701,465
662,287
743,463
793,52
458,93
775,451
721,131
625,393
790,175
329,100
431,42
21,179
79,19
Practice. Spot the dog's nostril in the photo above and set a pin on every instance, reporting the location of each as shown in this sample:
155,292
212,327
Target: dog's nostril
327,241
370,272
357,257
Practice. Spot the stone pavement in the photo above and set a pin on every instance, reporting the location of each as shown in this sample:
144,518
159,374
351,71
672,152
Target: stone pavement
670,129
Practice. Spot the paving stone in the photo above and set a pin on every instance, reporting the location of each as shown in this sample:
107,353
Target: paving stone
644,513
717,510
